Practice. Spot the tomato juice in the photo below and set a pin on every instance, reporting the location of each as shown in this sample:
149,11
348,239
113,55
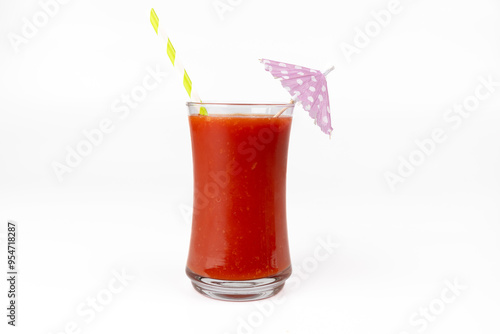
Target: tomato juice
239,229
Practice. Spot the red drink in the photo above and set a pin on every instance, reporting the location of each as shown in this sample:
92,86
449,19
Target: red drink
239,229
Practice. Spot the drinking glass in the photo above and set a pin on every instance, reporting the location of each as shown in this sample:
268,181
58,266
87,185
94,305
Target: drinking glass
239,243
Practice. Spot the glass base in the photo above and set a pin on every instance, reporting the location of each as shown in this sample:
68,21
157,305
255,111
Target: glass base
247,290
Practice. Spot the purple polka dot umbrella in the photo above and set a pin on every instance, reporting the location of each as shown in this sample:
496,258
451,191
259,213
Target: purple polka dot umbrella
306,86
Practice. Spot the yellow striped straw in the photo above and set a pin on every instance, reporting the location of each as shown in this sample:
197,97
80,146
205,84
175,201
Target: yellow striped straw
188,85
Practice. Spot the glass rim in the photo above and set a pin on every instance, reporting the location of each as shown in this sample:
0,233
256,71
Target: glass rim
241,104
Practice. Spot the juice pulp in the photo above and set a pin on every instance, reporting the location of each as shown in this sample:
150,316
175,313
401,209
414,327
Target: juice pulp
239,227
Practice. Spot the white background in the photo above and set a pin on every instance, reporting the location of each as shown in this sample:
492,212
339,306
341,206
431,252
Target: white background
125,206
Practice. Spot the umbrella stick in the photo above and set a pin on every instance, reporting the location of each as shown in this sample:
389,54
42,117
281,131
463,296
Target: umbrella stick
278,114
